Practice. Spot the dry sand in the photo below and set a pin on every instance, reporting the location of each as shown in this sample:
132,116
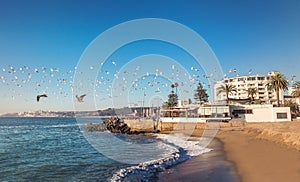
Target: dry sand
264,151
259,151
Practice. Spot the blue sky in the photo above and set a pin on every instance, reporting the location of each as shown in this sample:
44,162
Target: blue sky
258,35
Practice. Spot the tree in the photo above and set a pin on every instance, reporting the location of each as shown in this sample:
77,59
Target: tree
200,94
227,88
296,92
173,86
278,82
172,97
293,106
172,100
176,85
251,93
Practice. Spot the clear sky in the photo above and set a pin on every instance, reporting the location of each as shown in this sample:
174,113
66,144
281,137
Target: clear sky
258,35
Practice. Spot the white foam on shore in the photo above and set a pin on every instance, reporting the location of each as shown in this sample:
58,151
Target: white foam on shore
192,148
143,171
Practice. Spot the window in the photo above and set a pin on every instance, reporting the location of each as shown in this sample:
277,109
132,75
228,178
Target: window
242,111
251,78
261,78
281,115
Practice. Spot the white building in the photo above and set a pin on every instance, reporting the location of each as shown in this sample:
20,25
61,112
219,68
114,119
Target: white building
187,104
291,90
243,83
260,113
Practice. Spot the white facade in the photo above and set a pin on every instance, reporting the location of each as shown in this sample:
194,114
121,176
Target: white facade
260,113
243,83
291,90
182,120
187,104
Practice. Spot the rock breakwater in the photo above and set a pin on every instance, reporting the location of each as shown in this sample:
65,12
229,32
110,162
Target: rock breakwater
116,125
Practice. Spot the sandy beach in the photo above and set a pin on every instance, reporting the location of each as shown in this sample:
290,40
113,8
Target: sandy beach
248,152
209,167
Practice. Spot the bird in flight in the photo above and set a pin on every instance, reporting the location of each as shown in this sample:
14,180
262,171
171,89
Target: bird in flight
39,96
80,98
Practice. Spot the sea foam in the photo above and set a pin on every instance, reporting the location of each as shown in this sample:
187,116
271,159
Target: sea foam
144,171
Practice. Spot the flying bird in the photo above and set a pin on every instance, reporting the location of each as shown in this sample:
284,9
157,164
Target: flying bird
80,98
39,96
250,71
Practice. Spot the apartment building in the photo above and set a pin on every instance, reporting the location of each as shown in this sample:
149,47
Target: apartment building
243,83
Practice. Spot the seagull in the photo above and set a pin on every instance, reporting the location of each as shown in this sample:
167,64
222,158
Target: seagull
39,96
250,71
80,99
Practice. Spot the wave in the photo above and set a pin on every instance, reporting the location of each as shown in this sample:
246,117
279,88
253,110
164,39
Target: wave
145,170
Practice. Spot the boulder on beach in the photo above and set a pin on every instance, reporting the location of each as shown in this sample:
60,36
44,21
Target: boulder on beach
116,125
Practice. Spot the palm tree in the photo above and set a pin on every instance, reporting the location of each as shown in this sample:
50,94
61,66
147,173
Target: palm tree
176,85
251,93
227,88
294,107
173,86
278,82
296,93
172,97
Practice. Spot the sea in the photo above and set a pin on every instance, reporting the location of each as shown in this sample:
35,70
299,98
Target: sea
60,149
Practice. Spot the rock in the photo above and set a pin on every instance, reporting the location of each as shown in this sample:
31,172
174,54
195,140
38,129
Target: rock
116,125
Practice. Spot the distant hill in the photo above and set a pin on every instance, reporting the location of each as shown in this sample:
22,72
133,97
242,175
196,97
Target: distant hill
105,112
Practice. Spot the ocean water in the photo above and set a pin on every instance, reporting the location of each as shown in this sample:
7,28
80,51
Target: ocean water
59,149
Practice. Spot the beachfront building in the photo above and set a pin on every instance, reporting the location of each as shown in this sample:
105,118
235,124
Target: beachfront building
293,99
260,113
144,112
290,96
195,113
243,83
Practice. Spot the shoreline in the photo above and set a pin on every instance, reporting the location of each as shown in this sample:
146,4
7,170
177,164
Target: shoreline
209,167
241,152
254,151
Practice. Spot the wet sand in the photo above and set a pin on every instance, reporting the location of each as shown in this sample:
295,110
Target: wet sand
252,152
209,167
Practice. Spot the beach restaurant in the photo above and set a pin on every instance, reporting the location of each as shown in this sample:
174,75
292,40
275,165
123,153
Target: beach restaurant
199,114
